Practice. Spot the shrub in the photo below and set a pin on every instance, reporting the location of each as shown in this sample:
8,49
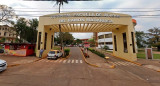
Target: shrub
106,47
96,52
66,51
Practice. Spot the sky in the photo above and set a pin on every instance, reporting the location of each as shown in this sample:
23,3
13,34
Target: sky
32,9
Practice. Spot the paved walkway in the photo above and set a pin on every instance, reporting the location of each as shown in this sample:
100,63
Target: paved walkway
11,60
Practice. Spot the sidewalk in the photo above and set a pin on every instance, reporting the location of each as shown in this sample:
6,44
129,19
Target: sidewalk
151,64
11,60
99,61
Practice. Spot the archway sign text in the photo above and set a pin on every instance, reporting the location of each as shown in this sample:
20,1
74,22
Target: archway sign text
74,19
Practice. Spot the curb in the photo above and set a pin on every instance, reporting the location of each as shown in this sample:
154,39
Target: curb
34,61
139,64
67,56
87,61
13,65
113,65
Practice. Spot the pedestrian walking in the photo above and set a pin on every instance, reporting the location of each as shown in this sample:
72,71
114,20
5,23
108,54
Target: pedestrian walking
41,52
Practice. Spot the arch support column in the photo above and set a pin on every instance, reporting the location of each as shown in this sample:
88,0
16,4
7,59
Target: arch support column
124,43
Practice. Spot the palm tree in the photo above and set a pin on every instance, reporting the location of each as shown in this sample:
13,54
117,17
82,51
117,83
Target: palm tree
60,2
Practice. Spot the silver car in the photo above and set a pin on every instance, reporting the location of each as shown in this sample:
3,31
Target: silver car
3,65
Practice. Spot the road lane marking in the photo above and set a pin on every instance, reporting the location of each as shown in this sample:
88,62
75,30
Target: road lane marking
72,61
76,61
57,60
64,61
69,61
60,61
81,61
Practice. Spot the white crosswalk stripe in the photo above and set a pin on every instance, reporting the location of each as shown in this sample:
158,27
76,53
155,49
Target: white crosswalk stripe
72,61
60,61
64,61
57,60
67,61
123,63
81,61
76,61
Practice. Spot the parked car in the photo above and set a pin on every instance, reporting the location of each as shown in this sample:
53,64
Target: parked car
54,54
3,65
1,50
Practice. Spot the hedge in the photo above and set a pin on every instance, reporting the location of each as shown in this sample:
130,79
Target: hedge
66,51
96,52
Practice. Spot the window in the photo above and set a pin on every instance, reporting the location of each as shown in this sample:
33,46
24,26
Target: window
52,42
101,36
125,42
115,43
5,33
108,43
45,41
108,35
134,51
39,40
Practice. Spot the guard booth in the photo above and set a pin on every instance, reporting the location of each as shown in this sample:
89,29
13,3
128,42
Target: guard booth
121,26
19,49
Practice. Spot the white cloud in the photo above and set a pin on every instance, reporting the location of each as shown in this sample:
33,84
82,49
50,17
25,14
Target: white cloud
143,24
82,35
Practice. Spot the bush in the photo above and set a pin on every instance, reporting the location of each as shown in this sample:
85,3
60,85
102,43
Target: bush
106,47
96,52
66,51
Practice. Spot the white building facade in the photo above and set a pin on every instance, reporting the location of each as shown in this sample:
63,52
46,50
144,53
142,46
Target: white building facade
105,39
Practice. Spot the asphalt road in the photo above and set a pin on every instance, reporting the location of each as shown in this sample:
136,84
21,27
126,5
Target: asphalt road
75,72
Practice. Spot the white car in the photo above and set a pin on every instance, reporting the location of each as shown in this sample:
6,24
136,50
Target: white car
3,65
54,54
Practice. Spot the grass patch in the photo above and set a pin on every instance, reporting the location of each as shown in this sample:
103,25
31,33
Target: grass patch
156,56
56,48
141,56
109,51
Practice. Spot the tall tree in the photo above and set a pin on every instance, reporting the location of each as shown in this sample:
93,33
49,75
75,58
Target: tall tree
67,38
92,42
33,24
140,36
154,37
21,29
78,41
6,13
60,2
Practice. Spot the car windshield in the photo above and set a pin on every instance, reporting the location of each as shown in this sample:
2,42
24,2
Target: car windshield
52,52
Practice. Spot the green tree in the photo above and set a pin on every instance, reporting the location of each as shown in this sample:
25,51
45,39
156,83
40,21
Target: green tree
21,29
60,3
32,31
67,38
26,30
154,37
78,41
92,42
140,36
3,40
